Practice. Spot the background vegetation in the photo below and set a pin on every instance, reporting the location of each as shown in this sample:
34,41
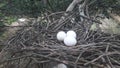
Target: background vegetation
11,10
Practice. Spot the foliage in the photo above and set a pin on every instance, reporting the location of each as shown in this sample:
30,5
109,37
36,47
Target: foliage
104,6
34,6
10,9
9,19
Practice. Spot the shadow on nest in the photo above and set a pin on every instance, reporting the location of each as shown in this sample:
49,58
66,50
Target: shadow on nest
36,46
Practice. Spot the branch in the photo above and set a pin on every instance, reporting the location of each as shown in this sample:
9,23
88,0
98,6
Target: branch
72,5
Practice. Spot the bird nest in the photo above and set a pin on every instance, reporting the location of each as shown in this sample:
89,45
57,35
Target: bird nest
36,46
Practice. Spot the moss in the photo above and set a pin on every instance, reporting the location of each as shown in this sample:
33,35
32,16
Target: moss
9,19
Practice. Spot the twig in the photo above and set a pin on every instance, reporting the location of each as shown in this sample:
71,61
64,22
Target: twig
78,59
115,61
11,59
54,59
108,59
109,53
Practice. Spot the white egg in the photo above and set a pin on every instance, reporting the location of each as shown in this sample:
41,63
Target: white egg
71,33
70,41
61,35
61,65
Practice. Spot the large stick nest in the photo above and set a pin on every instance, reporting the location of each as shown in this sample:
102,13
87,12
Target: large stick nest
37,47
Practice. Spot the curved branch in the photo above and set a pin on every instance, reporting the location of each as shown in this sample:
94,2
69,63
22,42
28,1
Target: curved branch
73,4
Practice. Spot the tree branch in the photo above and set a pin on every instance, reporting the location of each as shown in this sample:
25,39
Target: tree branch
72,5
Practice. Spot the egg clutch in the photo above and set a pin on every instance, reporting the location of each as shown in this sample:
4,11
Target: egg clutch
68,38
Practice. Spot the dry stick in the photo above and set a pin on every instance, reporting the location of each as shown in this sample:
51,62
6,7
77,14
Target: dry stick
93,1
62,22
115,61
73,4
27,64
54,59
48,16
95,64
90,44
69,9
15,58
48,21
86,8
109,62
90,19
34,59
78,59
82,9
107,48
109,53
85,61
54,14
108,66
87,13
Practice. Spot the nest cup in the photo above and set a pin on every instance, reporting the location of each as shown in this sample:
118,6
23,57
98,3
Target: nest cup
37,46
